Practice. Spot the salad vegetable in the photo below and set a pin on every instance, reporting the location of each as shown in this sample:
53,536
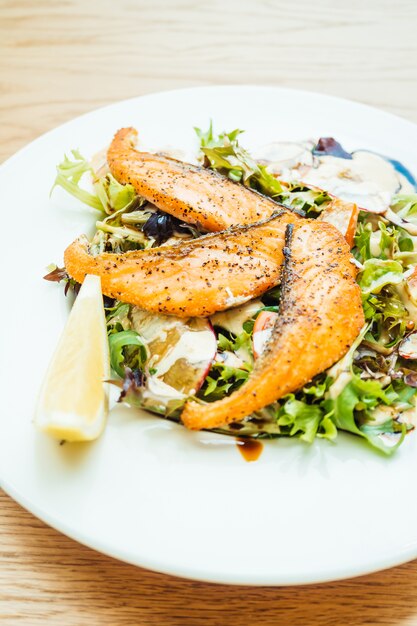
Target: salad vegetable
160,361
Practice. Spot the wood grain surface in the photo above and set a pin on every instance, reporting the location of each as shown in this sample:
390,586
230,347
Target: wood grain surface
62,58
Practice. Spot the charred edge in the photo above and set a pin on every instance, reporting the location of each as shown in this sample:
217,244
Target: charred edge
287,273
287,280
183,249
299,212
201,170
243,228
289,231
227,232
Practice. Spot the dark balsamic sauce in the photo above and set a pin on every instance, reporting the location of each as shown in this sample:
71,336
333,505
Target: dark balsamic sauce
250,449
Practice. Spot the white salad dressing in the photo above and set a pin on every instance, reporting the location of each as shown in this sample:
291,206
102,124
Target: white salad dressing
233,319
179,350
152,326
192,346
339,384
260,339
158,391
283,157
393,217
230,359
369,180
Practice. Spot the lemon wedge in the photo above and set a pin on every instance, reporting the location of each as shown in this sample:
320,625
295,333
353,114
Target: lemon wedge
73,401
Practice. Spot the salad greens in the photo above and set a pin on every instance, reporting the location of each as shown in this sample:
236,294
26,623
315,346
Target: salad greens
223,380
378,273
224,154
69,174
297,417
405,206
121,353
127,221
369,393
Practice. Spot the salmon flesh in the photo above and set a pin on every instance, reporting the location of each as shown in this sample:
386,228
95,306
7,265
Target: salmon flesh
320,316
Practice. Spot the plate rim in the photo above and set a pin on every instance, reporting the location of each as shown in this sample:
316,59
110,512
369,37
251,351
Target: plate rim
386,561
225,87
207,576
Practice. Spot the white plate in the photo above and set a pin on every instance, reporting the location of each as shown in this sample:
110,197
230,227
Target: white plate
149,492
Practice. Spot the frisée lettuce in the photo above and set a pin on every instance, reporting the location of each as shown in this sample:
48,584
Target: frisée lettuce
370,393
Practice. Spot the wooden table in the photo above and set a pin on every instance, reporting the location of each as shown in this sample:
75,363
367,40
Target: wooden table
61,58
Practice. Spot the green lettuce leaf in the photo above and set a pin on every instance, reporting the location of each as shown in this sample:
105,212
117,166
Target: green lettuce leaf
208,139
362,241
110,196
126,350
352,412
222,380
388,315
310,202
114,196
305,420
69,174
225,155
377,273
117,317
405,206
238,165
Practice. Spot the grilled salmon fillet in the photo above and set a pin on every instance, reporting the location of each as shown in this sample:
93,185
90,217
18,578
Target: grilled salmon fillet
193,194
194,278
320,316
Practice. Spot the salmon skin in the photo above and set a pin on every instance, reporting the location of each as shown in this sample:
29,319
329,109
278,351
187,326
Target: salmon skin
191,279
320,316
193,194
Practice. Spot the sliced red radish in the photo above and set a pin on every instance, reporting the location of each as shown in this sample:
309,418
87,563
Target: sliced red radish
342,215
262,330
408,347
180,352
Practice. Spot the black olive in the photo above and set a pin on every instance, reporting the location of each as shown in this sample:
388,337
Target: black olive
161,226
108,302
329,146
